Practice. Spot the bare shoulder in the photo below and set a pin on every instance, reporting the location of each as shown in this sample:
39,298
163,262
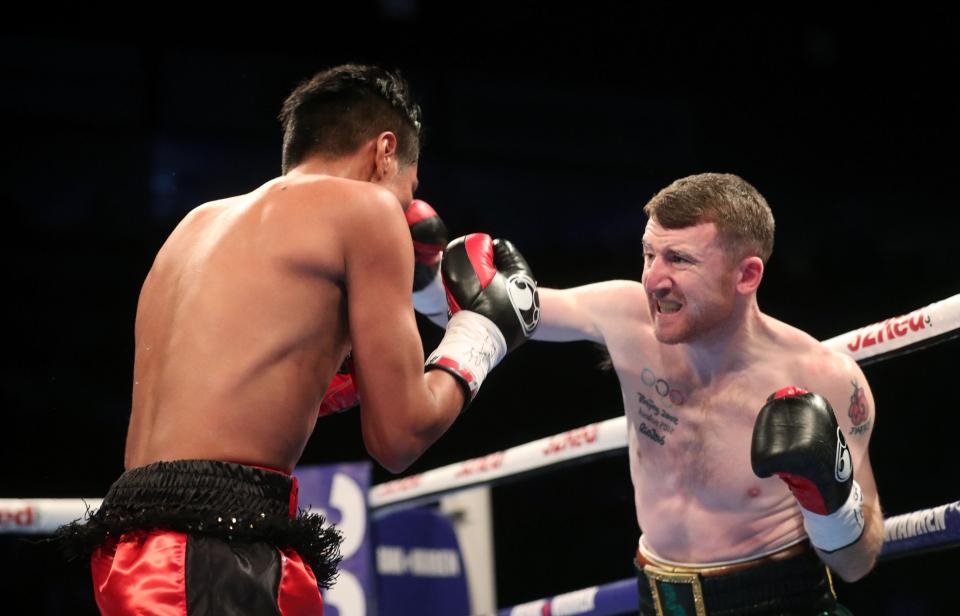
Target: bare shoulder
622,298
819,366
317,220
192,225
838,378
622,315
330,198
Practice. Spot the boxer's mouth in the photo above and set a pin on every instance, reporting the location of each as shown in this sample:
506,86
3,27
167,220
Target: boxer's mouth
668,306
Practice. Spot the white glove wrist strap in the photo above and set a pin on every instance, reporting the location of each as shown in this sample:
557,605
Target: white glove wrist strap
472,346
841,528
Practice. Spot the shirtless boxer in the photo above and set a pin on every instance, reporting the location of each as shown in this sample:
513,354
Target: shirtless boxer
696,360
250,307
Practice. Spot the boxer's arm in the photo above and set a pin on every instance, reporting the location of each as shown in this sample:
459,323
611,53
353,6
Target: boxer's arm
404,410
854,408
585,313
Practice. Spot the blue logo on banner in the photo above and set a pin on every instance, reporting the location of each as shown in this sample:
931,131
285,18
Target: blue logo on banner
420,570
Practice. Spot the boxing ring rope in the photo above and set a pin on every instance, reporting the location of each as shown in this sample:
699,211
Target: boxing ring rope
906,534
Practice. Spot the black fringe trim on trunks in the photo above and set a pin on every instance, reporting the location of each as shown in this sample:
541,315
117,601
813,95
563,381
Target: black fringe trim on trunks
218,499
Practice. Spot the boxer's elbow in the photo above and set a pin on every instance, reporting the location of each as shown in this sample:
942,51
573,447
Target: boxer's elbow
393,462
391,453
398,436
394,447
855,570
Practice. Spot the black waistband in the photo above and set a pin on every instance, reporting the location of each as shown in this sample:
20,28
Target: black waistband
796,585
220,499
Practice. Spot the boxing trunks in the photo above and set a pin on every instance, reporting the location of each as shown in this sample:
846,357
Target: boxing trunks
790,581
199,537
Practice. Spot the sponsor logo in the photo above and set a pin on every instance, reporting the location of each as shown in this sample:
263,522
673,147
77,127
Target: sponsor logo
17,518
890,329
844,468
571,440
419,562
399,485
526,302
919,523
481,465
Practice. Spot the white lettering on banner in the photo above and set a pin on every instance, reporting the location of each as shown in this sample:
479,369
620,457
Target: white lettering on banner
347,497
346,596
918,523
572,603
420,562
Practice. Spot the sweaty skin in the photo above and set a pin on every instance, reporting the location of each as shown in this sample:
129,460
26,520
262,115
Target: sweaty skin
252,304
696,360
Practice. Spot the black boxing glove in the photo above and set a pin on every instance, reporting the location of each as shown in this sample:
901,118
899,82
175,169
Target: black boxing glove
429,236
493,304
796,437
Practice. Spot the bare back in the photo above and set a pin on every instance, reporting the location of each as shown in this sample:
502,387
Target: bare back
237,335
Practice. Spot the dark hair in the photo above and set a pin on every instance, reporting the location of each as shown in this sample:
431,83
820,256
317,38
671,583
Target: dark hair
743,218
337,110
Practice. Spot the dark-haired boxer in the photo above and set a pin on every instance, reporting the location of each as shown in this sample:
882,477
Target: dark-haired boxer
728,511
251,305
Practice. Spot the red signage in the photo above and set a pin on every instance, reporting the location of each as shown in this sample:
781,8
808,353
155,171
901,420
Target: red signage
572,439
480,465
17,518
890,329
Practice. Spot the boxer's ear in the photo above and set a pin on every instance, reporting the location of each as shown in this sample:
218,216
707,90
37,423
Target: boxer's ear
748,275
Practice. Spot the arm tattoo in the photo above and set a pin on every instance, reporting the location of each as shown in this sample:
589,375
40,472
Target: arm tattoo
859,411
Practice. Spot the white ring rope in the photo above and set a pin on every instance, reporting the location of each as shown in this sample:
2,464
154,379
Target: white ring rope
921,328
916,330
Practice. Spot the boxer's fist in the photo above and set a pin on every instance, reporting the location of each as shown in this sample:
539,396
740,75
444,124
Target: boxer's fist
493,279
429,236
796,437
493,304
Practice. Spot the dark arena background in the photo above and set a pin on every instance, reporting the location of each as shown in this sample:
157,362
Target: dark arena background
551,133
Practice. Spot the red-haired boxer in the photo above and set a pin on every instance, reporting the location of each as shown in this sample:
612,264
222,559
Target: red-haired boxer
251,305
696,360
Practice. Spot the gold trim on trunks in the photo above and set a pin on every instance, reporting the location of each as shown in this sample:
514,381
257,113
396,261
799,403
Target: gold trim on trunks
657,574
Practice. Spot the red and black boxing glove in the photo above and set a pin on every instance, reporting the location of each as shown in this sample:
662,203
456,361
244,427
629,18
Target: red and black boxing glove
494,307
796,437
342,394
429,236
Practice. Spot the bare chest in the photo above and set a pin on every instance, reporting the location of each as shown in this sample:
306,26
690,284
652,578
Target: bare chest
691,437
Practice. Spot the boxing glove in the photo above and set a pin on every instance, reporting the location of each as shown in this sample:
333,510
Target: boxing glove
429,236
796,437
342,394
493,306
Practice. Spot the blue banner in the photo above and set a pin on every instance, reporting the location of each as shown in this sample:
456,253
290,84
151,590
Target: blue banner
420,569
339,491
